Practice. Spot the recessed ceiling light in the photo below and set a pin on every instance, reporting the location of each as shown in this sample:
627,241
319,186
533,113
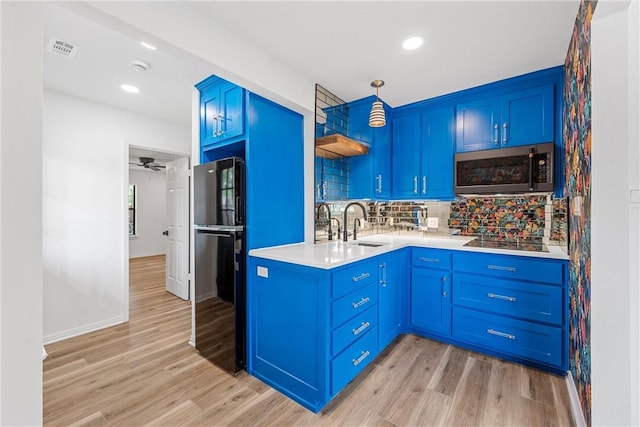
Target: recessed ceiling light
148,46
130,88
412,43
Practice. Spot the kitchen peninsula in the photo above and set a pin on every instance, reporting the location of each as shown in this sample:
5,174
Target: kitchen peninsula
318,314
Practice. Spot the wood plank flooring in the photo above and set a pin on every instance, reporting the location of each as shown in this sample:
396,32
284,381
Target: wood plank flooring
144,373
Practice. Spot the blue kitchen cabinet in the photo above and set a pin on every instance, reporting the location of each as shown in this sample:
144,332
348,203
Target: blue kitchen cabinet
513,306
406,156
437,153
370,174
518,117
394,280
431,291
423,145
274,137
311,330
221,111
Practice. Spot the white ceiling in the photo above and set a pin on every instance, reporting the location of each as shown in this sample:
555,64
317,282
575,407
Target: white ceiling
342,45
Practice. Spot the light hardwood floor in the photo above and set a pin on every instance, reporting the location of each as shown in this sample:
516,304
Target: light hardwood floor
144,373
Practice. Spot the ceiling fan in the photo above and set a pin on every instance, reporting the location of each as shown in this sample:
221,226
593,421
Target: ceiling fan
149,163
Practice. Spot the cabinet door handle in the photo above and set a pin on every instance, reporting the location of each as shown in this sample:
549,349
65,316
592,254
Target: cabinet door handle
423,259
424,185
379,178
383,271
501,334
360,303
361,328
215,126
415,185
220,119
444,286
502,297
360,277
359,360
504,132
495,133
501,268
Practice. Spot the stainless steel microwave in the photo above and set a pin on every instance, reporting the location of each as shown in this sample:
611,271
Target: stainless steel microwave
526,169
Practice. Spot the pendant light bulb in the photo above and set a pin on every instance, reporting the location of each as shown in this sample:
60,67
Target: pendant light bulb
376,117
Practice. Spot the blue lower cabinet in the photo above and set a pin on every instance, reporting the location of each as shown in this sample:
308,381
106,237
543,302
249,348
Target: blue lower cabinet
353,329
353,360
392,289
430,300
525,340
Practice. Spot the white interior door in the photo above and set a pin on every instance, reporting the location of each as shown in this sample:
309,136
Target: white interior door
178,225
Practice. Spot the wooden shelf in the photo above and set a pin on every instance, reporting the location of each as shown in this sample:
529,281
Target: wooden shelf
335,146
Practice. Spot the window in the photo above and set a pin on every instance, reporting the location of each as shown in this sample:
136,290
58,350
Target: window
133,214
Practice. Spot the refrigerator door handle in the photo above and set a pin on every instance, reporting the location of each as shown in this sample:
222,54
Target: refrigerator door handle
215,233
237,210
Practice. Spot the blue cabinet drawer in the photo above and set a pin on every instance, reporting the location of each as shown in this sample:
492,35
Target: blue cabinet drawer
432,258
354,277
353,304
353,329
526,340
353,360
530,301
512,267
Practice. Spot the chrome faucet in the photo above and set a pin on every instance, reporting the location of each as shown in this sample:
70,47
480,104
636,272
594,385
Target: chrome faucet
326,206
345,236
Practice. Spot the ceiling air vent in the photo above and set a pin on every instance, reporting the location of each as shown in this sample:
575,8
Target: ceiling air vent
62,48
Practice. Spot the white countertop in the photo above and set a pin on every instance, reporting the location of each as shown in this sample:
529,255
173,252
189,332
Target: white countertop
337,253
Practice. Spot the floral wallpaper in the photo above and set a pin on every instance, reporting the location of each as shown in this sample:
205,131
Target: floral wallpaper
577,142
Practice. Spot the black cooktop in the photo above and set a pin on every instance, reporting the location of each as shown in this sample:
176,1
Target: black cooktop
534,245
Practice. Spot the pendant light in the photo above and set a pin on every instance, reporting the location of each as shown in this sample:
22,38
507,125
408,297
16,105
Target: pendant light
376,117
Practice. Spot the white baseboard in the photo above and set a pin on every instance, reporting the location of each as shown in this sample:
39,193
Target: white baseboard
74,332
576,408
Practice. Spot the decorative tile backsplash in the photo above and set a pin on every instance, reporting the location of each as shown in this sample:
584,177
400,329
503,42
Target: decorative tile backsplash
505,218
517,217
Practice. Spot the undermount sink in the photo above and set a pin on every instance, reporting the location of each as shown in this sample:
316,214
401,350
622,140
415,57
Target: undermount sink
368,244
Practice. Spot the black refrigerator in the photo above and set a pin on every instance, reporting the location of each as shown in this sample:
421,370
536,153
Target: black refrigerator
219,238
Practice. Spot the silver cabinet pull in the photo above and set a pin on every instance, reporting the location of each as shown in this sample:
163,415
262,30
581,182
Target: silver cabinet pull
360,277
383,271
359,360
379,178
360,303
501,334
215,122
220,118
495,133
502,297
444,286
424,259
415,185
362,327
424,185
504,132
501,268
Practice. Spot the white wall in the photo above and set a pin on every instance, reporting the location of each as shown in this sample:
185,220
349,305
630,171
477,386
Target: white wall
615,230
192,34
151,187
21,213
85,239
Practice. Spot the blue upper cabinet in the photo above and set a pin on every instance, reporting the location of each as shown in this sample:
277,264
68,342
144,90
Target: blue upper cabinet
477,125
423,144
369,174
221,111
527,117
437,153
406,156
519,117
